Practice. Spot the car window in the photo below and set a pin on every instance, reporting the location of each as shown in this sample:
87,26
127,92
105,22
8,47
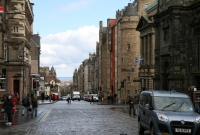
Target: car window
173,104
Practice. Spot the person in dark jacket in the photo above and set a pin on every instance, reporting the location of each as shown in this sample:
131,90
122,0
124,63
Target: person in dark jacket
26,104
92,99
42,96
3,101
8,109
131,105
34,106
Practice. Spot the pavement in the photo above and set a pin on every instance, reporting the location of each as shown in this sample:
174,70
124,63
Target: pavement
19,119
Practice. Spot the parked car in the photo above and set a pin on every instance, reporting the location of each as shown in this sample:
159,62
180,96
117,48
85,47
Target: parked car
95,98
167,112
64,97
86,97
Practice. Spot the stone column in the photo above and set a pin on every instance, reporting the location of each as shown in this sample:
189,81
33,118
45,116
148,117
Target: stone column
145,47
152,49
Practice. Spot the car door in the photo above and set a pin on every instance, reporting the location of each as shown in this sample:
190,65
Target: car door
148,110
143,111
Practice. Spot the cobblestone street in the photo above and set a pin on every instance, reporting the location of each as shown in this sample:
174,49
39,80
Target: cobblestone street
77,118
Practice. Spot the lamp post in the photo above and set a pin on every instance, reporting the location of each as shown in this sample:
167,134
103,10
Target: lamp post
125,95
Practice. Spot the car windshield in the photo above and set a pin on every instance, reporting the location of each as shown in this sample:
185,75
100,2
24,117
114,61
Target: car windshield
173,104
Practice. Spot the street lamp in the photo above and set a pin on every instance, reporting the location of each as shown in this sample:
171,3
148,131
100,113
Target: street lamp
125,95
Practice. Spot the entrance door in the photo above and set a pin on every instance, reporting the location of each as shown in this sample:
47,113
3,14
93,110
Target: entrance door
16,87
198,82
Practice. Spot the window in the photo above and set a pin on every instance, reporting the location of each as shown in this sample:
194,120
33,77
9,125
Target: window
128,78
3,80
5,52
15,29
128,46
22,6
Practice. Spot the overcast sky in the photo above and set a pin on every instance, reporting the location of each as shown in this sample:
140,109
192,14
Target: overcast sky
69,30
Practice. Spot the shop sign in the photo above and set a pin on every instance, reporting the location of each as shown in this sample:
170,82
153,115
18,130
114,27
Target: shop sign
1,9
127,70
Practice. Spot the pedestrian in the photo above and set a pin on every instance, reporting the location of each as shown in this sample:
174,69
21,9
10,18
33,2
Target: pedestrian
26,104
17,95
8,109
92,99
3,101
108,98
34,107
111,98
68,98
14,100
42,96
131,105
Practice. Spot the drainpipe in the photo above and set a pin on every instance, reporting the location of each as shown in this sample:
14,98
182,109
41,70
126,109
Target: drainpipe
23,71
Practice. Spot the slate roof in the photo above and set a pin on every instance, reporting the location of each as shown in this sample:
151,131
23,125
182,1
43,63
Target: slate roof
131,10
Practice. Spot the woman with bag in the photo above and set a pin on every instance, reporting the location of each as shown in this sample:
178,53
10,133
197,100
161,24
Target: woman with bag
8,109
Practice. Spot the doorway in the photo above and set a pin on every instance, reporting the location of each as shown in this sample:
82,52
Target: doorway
198,82
16,88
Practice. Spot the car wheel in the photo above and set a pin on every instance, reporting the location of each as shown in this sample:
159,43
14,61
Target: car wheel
152,130
140,128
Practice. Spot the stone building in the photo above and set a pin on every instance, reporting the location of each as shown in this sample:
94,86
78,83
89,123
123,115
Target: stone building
51,83
18,16
85,76
111,55
75,80
128,47
35,54
147,46
177,51
81,80
103,60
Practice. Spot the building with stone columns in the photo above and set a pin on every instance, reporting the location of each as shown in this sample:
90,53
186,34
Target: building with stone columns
16,60
177,45
147,47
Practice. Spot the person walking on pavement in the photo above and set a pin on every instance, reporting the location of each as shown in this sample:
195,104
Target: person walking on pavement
34,107
131,105
42,96
26,104
8,109
92,99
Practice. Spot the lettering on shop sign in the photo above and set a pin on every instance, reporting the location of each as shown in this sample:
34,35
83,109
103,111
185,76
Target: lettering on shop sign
127,70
